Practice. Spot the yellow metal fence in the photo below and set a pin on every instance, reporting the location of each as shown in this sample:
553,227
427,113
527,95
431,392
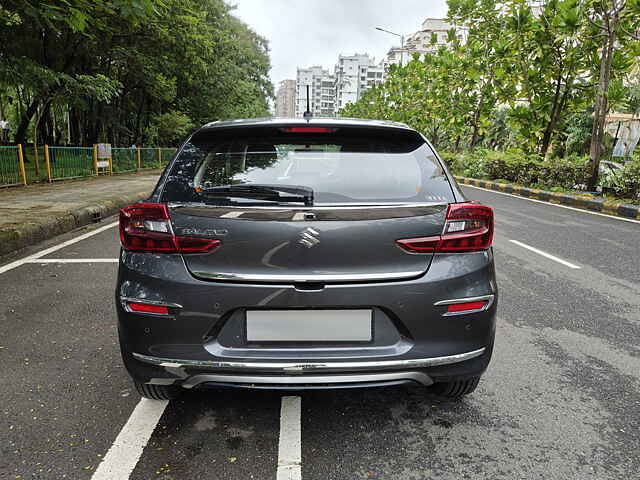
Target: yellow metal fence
23,166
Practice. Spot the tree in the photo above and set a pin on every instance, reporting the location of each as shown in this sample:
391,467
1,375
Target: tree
534,70
616,23
108,70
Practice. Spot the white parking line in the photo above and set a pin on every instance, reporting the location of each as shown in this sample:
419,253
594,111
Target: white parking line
47,251
73,260
545,254
125,452
289,446
553,204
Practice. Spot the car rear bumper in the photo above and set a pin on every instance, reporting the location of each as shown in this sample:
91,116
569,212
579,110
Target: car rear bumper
284,367
204,342
308,382
280,373
288,367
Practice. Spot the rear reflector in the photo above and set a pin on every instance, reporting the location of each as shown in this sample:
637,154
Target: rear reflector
146,227
147,308
308,130
463,307
468,228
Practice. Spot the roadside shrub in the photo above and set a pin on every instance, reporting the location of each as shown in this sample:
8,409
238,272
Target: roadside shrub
513,166
468,164
451,159
564,172
475,164
624,183
552,174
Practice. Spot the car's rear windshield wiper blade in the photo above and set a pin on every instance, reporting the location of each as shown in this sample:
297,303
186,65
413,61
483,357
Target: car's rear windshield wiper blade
263,191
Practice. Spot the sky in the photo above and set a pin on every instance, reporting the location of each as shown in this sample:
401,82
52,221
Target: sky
314,32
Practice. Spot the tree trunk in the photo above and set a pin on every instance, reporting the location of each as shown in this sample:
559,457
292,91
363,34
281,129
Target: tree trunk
553,118
599,116
25,119
476,120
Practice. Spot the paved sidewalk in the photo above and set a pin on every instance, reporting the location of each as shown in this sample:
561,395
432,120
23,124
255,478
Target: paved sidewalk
35,213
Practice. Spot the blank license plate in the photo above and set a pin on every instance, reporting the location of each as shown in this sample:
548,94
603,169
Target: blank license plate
309,325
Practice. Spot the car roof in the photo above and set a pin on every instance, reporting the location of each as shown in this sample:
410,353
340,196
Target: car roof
286,122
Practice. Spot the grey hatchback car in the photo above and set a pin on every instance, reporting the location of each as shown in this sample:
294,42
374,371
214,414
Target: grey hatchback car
305,254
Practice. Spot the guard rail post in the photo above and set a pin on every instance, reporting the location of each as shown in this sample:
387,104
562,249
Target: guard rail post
95,159
47,162
23,173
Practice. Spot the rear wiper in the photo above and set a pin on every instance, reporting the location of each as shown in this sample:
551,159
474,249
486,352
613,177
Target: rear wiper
261,191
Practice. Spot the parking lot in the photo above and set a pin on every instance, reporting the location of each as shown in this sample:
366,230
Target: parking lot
561,399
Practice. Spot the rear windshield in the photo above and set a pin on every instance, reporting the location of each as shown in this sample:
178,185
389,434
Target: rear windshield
341,165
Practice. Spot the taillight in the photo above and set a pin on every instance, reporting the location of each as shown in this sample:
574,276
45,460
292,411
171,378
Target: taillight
146,227
419,245
468,228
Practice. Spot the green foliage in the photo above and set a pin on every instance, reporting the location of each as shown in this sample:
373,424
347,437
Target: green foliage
74,15
521,168
578,133
513,166
522,80
170,127
469,164
624,183
564,172
127,71
557,174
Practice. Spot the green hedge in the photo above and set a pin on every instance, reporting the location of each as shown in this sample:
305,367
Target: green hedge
530,170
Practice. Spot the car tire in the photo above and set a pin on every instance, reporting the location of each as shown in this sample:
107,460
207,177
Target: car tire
456,389
157,392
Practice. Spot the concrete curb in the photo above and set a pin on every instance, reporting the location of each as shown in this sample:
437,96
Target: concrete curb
31,233
625,210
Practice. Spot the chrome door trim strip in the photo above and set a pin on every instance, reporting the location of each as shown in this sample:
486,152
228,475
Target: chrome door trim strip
419,377
488,298
329,277
308,366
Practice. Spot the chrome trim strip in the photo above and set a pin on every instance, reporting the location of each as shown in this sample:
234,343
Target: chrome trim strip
488,298
418,377
309,366
465,300
322,206
329,277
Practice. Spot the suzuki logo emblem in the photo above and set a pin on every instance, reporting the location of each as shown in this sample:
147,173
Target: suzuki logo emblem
309,237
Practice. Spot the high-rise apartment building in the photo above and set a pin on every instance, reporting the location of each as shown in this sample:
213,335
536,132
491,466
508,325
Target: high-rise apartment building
354,75
321,92
420,42
286,99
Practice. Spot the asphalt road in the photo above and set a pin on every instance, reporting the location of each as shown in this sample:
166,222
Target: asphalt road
561,399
